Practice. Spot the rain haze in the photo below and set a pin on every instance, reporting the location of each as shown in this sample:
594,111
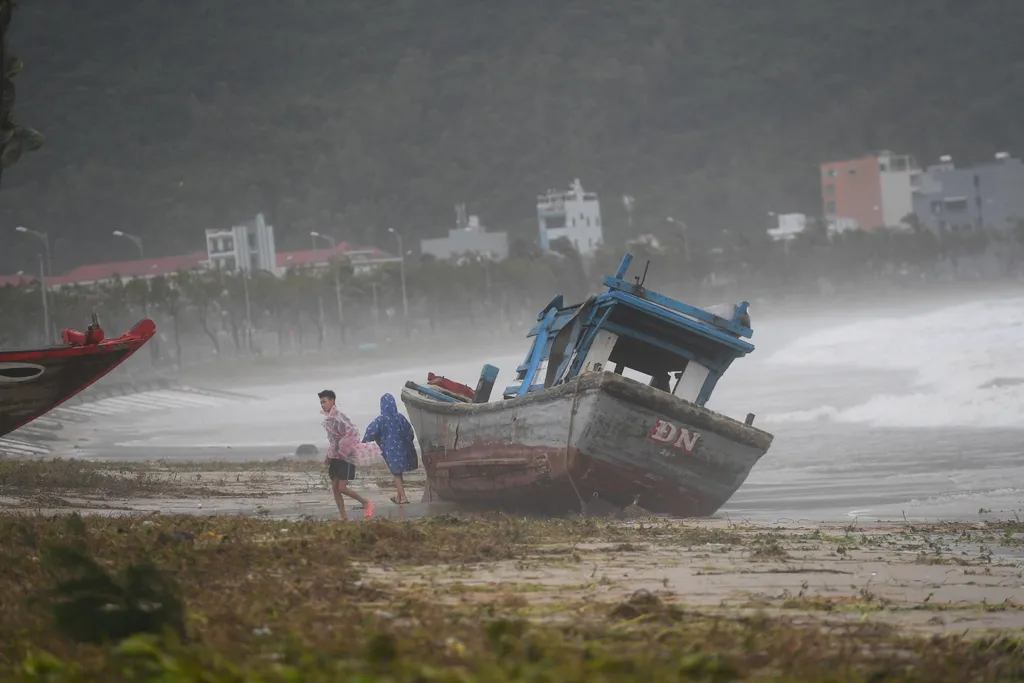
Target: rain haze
563,340
274,199
296,211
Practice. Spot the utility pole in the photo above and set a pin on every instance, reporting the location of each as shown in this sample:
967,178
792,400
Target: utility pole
44,272
138,243
45,239
134,238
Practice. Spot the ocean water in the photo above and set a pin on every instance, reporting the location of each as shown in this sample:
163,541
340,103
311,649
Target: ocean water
885,416
961,366
915,412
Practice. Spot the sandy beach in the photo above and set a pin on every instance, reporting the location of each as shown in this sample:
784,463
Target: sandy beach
931,577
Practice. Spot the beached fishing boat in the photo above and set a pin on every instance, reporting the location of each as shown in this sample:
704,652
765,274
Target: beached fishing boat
35,381
574,427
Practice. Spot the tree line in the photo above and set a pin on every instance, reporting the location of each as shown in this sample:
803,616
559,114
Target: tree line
203,314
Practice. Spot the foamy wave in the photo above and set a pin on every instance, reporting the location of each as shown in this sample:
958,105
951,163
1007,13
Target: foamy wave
981,495
822,414
955,353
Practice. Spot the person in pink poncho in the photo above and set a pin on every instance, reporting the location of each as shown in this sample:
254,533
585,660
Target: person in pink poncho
345,449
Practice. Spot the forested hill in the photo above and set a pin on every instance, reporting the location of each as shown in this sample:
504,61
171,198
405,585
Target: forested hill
352,116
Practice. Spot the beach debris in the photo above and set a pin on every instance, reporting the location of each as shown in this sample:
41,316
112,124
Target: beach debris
643,603
455,647
180,536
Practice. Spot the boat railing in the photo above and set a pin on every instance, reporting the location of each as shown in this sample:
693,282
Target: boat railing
697,345
617,283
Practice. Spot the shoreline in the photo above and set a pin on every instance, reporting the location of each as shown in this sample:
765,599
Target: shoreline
289,488
935,601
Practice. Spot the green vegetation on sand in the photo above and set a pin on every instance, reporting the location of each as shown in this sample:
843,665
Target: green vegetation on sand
239,599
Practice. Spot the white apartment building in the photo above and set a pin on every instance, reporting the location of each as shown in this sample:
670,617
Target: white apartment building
245,247
575,215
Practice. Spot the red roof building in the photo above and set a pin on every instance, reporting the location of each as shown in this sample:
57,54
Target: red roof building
311,257
130,270
363,259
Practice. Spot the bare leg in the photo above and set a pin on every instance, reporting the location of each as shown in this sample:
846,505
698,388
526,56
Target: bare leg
400,485
344,489
337,488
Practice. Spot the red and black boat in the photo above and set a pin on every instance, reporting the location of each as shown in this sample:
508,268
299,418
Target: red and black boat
35,381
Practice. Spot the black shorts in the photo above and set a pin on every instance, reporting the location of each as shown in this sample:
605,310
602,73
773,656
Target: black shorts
341,469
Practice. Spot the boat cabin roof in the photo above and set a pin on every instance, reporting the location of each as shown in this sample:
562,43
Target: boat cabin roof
648,332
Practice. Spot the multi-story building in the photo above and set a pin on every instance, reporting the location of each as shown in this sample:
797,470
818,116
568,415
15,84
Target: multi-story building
575,215
985,195
872,191
245,247
468,238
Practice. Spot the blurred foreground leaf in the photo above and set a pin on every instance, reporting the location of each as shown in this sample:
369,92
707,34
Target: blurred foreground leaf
94,606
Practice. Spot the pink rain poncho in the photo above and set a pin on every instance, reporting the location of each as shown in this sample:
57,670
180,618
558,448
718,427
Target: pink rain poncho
345,441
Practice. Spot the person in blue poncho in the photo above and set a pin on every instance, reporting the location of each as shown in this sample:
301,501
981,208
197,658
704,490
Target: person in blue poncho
393,433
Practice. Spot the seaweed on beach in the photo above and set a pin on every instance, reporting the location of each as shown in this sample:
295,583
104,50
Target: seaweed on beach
317,601
73,476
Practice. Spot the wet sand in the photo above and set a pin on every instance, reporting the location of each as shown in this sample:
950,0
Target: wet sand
300,489
931,577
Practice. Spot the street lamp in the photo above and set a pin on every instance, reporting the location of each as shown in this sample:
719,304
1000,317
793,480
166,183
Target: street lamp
46,307
337,279
44,270
138,243
45,239
401,251
133,238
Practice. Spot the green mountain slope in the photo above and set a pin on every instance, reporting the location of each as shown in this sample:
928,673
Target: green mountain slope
354,116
